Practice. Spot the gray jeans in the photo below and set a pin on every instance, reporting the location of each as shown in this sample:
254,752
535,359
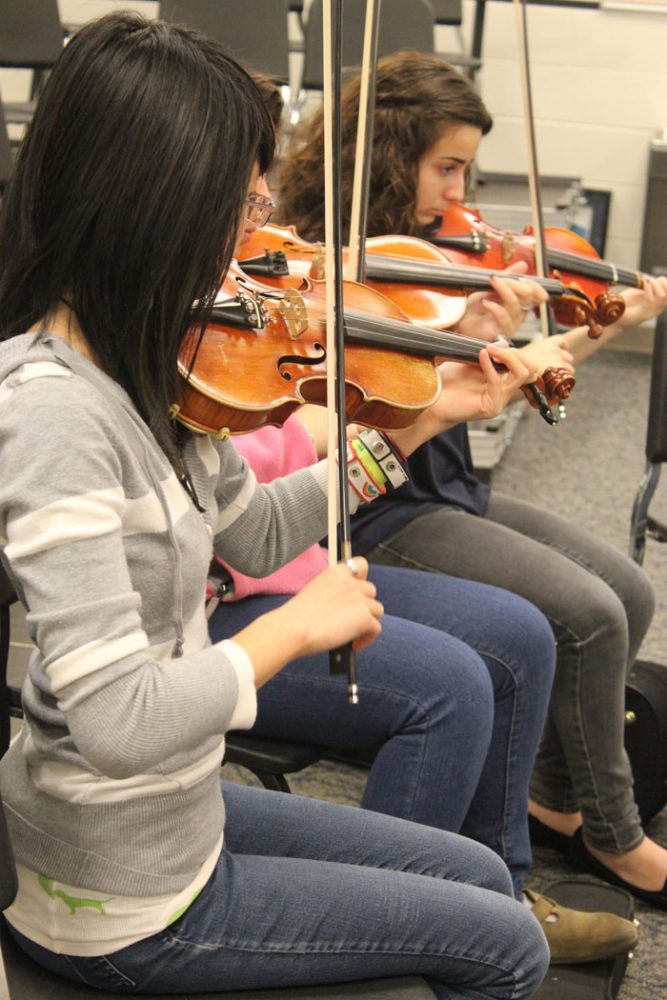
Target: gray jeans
600,605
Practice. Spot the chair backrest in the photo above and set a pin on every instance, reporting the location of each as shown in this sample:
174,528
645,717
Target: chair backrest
656,431
252,31
31,33
8,881
405,24
7,598
448,11
7,866
6,158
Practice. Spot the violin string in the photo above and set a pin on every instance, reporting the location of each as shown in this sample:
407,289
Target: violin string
447,274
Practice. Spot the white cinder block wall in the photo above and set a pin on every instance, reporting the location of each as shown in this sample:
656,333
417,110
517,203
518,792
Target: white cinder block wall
599,83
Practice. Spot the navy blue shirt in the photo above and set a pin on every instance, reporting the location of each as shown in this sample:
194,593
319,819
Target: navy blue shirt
441,474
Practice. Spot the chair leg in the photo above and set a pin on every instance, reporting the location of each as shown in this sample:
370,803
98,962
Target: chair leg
639,520
5,726
274,782
4,985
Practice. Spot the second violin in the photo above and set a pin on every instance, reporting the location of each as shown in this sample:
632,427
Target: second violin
415,274
263,355
468,239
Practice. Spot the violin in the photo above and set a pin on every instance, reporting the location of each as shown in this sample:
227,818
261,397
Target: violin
411,271
467,238
280,257
262,355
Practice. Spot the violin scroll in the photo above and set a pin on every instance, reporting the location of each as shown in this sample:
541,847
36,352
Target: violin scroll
558,384
610,306
469,239
607,307
554,385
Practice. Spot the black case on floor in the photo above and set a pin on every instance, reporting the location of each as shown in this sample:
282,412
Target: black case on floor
646,734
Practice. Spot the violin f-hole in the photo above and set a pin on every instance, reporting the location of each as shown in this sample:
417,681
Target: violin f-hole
297,359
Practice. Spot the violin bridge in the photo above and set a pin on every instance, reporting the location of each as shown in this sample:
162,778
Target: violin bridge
317,269
293,309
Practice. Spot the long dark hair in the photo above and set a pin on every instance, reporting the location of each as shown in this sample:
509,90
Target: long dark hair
127,196
418,96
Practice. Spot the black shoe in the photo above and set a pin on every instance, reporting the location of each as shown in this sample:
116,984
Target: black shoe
542,835
587,862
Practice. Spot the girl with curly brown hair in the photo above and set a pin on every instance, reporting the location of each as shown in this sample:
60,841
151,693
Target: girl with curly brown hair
429,122
415,95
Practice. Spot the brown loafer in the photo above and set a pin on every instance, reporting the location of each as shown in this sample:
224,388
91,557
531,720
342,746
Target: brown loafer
575,936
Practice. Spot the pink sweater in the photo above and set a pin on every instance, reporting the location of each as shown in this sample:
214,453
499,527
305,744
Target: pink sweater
272,452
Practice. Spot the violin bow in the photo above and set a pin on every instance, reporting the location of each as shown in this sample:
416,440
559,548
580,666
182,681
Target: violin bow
547,319
343,659
364,145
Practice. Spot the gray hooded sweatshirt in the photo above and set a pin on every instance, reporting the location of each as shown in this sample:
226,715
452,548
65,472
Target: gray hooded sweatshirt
113,784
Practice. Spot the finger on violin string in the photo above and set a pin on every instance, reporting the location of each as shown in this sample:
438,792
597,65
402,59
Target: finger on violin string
513,360
519,289
506,320
518,267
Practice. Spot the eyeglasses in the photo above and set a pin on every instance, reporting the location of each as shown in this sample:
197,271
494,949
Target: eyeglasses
259,208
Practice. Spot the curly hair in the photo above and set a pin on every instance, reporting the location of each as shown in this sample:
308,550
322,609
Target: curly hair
418,96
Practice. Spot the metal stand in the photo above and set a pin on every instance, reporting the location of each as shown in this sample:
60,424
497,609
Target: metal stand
642,524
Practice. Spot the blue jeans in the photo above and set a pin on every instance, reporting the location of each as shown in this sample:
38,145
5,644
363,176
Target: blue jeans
310,892
454,691
600,605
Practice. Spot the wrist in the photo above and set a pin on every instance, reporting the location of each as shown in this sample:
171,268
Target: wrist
375,464
409,439
388,455
272,640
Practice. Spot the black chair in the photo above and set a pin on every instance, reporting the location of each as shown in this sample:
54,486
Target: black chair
642,524
31,37
28,981
449,13
6,155
23,979
253,31
10,699
404,24
270,760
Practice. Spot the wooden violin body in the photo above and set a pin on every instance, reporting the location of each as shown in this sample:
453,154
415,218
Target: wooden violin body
418,276
240,377
468,239
279,256
263,354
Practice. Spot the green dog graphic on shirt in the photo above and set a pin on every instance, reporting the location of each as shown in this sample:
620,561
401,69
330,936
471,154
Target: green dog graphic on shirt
73,903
